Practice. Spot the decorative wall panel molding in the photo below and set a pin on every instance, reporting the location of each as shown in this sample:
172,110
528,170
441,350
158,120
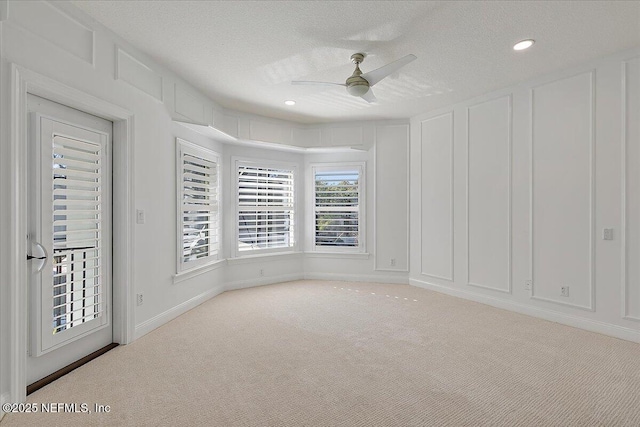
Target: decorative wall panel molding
436,195
562,191
488,197
55,26
138,75
391,236
189,104
307,137
269,132
345,136
230,125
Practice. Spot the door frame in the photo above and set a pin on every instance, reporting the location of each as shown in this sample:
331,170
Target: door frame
22,82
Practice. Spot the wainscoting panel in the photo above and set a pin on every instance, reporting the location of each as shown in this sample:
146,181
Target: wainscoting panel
303,137
562,191
345,136
392,185
489,194
189,104
229,125
55,26
631,162
269,132
138,75
437,197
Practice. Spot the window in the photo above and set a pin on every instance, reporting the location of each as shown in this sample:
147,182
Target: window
337,208
198,184
265,207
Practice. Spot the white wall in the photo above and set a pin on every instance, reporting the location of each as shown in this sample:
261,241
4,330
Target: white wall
386,211
61,43
259,270
517,186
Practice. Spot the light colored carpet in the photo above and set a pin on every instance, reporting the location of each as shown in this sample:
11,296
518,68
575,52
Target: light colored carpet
313,353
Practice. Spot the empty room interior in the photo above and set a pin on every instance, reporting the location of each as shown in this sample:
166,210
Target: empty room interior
320,213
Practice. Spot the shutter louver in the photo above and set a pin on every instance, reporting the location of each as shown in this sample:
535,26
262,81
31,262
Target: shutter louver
265,208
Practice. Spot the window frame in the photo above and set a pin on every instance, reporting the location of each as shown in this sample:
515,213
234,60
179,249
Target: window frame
362,207
186,147
253,162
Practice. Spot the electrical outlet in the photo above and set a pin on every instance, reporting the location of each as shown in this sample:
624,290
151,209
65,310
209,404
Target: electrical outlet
527,284
139,300
261,272
564,291
607,234
140,217
392,262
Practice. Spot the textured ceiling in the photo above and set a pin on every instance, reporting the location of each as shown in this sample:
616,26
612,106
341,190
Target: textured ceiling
244,54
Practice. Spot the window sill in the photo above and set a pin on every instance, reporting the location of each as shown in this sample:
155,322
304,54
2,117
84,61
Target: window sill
351,255
188,274
247,259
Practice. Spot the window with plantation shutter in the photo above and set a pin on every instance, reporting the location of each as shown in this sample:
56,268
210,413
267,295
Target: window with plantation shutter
198,203
78,222
337,209
265,207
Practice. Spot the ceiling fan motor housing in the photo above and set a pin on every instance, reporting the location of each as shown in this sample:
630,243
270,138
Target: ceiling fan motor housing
356,85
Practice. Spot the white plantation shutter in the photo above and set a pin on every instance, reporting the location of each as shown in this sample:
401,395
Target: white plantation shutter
78,277
198,200
337,207
265,207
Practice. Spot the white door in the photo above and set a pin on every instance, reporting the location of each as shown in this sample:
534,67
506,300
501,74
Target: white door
69,236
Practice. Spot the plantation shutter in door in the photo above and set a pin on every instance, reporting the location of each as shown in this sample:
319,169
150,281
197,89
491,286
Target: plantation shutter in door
75,192
265,207
337,208
199,208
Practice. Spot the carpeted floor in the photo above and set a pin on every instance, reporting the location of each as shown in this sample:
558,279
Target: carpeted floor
315,353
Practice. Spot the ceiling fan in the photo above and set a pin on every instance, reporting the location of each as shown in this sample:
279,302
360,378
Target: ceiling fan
359,84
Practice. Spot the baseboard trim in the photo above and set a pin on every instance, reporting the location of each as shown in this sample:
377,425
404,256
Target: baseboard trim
166,316
615,331
378,278
262,281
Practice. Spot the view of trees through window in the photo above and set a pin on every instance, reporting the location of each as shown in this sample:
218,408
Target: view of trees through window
337,208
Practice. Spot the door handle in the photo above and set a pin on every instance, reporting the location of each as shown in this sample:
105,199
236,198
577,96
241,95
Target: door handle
39,253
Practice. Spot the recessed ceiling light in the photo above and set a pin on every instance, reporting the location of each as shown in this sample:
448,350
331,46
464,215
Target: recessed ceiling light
290,102
523,44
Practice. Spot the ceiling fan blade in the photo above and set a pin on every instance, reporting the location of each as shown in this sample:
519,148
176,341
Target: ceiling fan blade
369,96
299,82
375,76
